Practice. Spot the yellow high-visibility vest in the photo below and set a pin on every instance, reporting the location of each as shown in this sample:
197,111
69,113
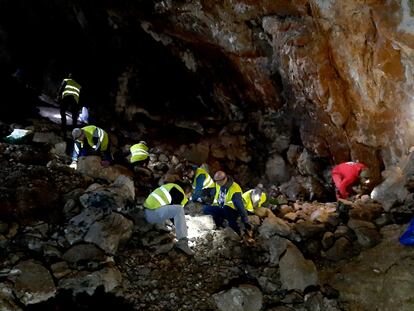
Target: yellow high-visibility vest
248,204
234,188
161,196
72,88
208,181
92,131
139,152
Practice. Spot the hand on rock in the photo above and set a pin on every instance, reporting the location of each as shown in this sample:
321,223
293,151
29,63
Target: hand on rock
74,165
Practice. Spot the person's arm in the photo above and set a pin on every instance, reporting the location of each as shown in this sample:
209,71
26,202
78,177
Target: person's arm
348,181
60,91
75,155
76,150
198,188
238,203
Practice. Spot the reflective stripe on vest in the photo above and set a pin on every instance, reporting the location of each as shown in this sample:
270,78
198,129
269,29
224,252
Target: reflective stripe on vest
139,152
76,148
248,203
167,194
161,197
229,195
208,181
72,88
100,134
92,131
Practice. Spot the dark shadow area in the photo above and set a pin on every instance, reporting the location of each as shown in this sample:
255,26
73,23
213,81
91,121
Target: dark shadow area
46,40
64,301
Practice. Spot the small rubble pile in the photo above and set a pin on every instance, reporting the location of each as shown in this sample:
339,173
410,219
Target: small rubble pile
30,184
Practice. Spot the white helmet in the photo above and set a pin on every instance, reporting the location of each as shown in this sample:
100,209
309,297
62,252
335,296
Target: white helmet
76,133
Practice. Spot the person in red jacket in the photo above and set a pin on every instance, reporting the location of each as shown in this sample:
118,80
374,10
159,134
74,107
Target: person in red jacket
349,174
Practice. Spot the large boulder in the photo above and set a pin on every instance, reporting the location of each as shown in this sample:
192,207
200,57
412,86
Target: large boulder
91,166
33,283
380,278
242,298
295,271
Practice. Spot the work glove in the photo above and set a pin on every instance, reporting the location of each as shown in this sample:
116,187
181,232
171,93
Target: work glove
74,165
105,163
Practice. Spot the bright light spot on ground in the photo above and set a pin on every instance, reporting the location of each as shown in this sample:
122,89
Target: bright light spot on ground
199,226
18,134
53,114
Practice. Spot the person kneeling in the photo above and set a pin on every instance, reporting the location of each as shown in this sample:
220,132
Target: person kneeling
90,140
228,203
168,202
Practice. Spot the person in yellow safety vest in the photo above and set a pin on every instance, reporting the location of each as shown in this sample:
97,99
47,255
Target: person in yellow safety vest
139,159
139,152
203,185
254,199
68,98
90,140
228,203
168,202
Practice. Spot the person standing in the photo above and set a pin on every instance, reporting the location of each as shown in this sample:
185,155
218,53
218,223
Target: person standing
68,98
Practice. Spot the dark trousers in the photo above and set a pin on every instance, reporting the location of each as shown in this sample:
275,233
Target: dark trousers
69,103
223,213
207,195
343,212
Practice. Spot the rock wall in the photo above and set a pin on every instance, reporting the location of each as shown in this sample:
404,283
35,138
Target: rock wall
339,74
343,68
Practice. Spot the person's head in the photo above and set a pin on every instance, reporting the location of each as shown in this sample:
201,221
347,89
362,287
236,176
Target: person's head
256,195
365,176
78,134
220,178
176,196
189,171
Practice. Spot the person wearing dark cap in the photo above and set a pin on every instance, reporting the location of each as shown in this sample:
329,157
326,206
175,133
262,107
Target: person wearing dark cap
90,140
228,203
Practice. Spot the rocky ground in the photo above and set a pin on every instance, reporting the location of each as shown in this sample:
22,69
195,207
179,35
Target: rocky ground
78,239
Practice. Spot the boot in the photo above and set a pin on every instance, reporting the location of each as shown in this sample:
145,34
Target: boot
182,245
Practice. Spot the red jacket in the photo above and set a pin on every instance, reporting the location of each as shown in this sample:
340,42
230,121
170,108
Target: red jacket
345,175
